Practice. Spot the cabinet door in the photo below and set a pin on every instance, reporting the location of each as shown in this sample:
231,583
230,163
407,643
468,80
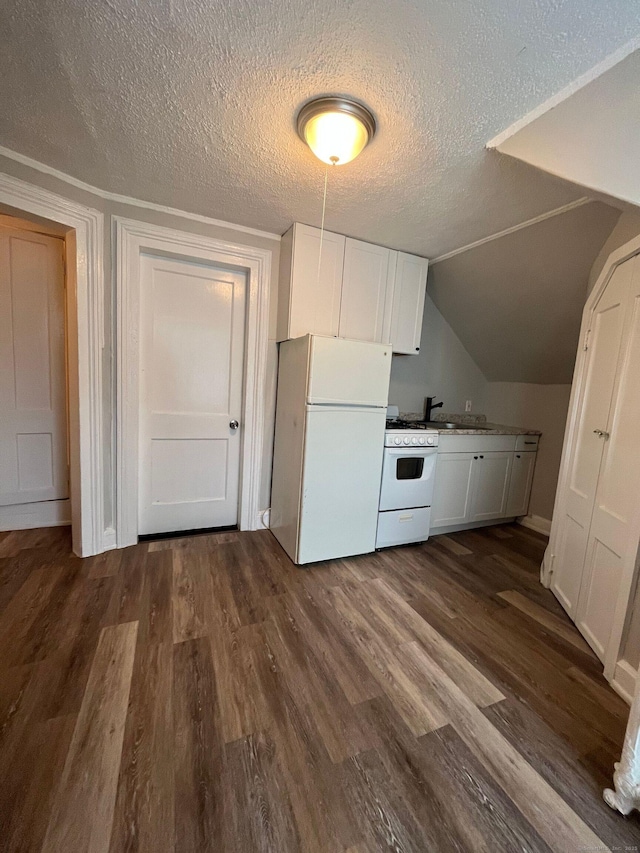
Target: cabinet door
407,305
490,485
452,489
520,484
315,303
364,289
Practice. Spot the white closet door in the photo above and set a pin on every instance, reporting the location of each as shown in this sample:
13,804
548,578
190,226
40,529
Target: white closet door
33,417
192,318
618,493
604,347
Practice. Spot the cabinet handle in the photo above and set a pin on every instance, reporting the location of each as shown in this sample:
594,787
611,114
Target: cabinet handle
482,457
517,456
475,457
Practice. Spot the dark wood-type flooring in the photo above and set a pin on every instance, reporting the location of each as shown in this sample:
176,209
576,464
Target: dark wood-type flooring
204,694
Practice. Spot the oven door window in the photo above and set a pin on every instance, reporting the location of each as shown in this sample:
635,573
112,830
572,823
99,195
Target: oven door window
409,467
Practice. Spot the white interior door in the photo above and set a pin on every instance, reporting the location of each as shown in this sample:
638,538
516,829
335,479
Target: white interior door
192,321
618,492
33,416
604,347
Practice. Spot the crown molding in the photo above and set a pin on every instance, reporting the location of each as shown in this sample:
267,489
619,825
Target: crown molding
536,219
134,202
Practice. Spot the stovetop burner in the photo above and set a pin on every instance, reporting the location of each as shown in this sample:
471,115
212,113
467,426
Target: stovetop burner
399,423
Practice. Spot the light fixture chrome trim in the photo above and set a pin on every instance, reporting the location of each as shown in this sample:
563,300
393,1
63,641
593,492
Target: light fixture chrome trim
337,105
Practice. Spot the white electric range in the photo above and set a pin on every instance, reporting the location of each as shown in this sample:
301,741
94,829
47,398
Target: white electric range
406,491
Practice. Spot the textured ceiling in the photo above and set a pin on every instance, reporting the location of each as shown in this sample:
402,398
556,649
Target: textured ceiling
191,104
601,155
516,302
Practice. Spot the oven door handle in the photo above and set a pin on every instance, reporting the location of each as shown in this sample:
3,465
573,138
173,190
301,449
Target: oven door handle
411,451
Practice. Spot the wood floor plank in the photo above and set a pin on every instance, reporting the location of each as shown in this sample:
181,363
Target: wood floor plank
144,815
559,626
192,596
32,780
82,812
259,816
198,753
156,607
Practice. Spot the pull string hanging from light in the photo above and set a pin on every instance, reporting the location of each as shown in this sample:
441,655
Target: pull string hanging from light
336,130
324,207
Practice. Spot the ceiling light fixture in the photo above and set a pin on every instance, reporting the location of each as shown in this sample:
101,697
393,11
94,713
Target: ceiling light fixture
336,129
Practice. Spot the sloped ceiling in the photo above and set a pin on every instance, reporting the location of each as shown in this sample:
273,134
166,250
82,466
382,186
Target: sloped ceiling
191,104
591,137
516,302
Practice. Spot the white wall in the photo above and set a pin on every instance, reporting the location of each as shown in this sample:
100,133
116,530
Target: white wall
542,407
443,369
135,211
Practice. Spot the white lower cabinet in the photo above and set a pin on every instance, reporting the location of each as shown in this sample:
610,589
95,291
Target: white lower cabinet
480,479
520,485
490,480
452,489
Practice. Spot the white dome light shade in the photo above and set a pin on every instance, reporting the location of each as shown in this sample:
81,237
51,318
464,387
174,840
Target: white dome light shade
336,130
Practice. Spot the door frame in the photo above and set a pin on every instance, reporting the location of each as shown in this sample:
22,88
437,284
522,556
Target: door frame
131,238
619,256
84,272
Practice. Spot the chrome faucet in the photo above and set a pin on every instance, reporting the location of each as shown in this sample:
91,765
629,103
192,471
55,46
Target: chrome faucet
429,406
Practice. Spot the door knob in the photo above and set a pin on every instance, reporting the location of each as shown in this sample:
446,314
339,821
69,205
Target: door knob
601,434
234,424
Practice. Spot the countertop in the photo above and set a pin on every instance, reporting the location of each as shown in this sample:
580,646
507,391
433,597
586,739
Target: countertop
471,425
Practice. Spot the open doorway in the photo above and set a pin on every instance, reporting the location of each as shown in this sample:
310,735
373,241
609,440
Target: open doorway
79,229
34,450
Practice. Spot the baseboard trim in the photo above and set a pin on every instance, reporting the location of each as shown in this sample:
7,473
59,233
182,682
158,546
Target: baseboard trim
471,525
37,514
624,681
537,523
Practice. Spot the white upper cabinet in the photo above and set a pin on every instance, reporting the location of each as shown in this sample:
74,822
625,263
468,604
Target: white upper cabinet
410,286
364,292
309,304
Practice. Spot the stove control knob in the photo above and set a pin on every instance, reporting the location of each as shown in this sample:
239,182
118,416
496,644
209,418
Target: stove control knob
414,440
407,440
430,440
423,440
397,440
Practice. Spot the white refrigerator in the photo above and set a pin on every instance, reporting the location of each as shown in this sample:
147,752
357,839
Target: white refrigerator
329,444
